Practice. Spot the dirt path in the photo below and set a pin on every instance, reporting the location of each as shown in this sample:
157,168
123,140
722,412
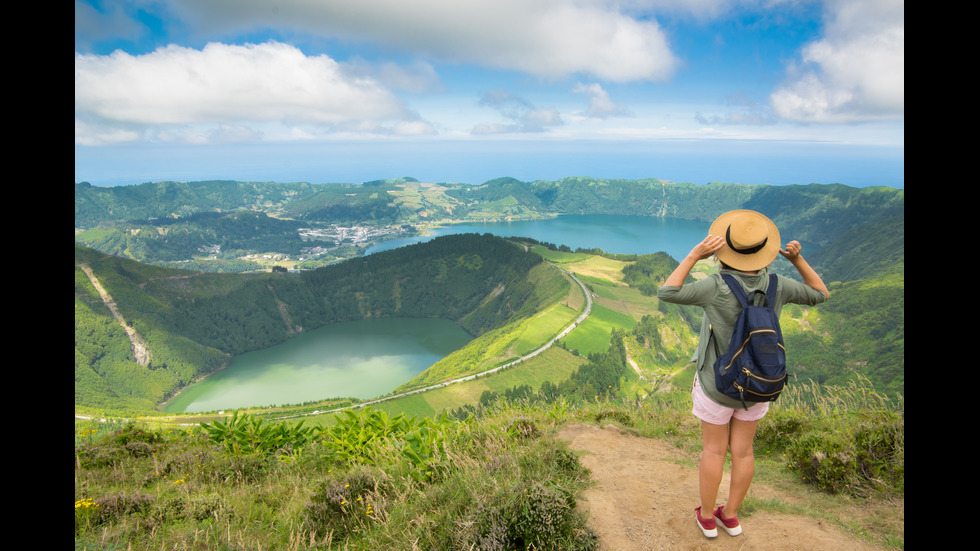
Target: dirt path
642,500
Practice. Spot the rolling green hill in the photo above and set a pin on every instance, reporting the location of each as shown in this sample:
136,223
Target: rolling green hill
225,226
193,322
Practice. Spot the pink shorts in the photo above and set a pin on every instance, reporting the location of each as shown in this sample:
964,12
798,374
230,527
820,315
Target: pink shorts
712,412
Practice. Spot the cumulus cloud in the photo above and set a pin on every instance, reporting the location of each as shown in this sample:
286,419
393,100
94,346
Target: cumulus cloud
856,72
522,114
548,39
600,105
224,91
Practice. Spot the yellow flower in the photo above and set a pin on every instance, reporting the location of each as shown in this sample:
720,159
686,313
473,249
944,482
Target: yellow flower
84,503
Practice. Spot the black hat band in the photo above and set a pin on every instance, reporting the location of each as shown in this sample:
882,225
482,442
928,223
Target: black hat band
750,250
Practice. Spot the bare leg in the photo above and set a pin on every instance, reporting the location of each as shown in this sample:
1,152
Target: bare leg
742,434
713,452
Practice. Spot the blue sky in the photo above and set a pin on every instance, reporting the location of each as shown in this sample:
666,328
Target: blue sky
751,91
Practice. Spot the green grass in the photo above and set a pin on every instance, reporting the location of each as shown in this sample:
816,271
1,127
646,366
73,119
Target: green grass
407,479
592,336
544,327
427,483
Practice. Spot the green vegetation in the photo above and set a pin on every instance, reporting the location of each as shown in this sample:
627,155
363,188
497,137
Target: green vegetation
850,440
499,480
230,226
476,464
367,482
194,322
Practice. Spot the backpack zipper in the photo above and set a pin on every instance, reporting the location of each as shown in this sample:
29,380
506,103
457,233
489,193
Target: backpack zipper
746,341
763,379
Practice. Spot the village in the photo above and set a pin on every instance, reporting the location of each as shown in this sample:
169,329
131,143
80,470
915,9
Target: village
355,235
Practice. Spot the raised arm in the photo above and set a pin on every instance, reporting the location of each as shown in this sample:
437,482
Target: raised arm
702,250
809,275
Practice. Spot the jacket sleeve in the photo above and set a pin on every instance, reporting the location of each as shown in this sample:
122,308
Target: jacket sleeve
698,293
796,292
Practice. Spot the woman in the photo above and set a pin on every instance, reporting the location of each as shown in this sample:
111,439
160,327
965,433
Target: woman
745,242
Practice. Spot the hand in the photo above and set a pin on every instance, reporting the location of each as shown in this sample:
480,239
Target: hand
708,247
810,277
792,251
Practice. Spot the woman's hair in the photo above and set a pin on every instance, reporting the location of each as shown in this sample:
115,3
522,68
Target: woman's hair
727,267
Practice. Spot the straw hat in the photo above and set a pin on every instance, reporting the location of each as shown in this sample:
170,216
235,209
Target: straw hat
751,239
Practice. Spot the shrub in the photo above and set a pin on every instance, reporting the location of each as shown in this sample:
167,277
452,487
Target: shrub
826,460
542,516
342,507
111,508
247,434
523,428
859,459
880,449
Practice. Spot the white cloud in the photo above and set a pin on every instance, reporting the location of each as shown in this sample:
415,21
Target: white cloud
228,87
419,77
856,72
524,116
545,38
600,105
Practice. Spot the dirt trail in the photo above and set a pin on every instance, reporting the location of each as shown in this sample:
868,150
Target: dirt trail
643,500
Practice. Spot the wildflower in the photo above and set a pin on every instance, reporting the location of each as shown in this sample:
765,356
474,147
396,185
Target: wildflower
84,503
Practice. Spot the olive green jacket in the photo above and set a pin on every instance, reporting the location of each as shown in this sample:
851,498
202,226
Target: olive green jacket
721,310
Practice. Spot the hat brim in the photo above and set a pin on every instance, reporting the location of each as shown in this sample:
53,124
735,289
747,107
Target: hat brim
746,262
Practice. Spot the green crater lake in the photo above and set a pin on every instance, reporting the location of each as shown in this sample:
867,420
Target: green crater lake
370,358
361,359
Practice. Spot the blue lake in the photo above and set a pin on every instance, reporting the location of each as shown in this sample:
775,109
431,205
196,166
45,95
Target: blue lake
611,233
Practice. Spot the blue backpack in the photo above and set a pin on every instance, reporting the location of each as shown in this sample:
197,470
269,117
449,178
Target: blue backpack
754,368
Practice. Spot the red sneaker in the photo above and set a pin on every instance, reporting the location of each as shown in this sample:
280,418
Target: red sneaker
707,527
730,525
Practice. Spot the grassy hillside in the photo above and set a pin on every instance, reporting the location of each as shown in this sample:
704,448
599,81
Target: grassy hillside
481,464
192,323
504,479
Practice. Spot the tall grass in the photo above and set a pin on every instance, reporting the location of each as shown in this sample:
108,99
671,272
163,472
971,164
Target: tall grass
846,439
367,482
371,480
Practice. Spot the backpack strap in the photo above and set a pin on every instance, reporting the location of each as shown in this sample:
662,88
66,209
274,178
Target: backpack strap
743,299
771,291
736,288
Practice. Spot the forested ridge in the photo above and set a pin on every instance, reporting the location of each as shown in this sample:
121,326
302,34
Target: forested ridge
195,322
216,225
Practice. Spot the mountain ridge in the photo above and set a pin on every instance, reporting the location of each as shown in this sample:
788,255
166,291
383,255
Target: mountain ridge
201,224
